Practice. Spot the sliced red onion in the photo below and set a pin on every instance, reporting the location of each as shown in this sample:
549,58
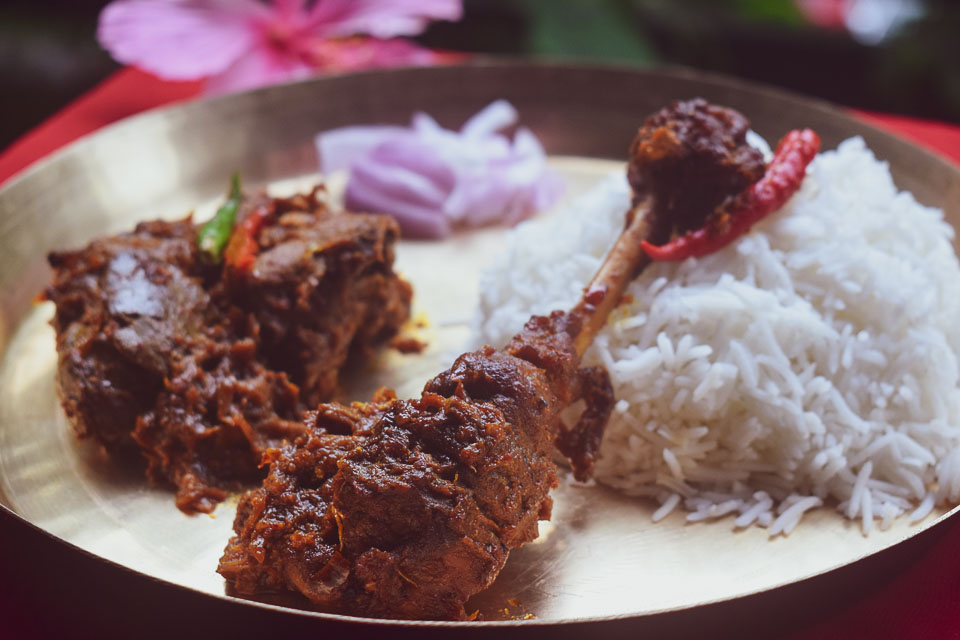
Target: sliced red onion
431,179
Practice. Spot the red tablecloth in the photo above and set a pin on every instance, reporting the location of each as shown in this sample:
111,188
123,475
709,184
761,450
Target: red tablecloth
919,601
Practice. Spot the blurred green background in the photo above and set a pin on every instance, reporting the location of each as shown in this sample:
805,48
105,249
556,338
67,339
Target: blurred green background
897,56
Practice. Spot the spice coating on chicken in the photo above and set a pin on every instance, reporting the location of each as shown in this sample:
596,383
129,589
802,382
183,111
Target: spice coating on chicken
690,157
410,518
199,369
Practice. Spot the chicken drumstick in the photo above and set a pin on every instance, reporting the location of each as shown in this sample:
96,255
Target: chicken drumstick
406,508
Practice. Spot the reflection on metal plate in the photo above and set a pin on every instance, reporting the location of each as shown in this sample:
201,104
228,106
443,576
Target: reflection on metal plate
600,556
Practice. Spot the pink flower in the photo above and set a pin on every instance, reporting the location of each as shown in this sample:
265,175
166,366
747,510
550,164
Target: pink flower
240,44
432,179
825,13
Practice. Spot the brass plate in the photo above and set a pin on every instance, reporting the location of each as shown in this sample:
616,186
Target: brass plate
600,557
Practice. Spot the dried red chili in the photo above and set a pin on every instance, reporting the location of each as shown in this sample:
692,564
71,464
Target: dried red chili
243,248
780,181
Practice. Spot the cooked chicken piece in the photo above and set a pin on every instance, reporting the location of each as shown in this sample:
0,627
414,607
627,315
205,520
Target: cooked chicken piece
200,369
406,508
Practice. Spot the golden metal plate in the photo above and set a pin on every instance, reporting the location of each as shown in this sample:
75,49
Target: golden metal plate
601,557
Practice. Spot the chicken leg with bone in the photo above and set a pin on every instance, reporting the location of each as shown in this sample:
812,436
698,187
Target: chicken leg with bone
406,508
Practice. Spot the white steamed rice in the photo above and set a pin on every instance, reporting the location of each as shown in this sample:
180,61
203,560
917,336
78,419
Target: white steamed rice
814,361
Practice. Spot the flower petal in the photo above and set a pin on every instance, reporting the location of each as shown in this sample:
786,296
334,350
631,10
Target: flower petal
290,9
357,53
179,39
380,18
259,67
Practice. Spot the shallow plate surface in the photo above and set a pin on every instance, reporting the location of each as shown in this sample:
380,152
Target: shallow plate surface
586,563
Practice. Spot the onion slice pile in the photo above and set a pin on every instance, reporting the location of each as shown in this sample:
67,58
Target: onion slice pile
433,179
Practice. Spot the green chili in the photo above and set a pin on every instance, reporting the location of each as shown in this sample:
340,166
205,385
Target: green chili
213,236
